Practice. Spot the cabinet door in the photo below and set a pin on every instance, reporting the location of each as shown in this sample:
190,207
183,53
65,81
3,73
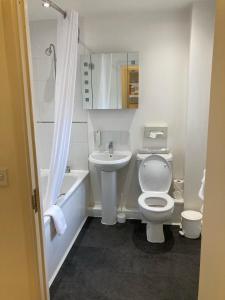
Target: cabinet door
130,81
133,86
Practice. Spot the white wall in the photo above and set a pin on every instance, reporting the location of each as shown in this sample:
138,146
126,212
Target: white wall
162,40
201,50
170,69
42,34
78,154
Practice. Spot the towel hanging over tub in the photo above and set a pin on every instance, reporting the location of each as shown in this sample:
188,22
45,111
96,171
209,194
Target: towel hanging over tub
58,218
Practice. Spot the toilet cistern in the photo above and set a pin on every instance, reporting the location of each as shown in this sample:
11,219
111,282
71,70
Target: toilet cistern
111,148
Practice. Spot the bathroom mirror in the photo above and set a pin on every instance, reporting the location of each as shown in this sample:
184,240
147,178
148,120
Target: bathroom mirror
110,80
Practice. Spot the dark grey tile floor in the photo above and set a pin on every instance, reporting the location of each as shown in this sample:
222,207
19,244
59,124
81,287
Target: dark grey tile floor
117,263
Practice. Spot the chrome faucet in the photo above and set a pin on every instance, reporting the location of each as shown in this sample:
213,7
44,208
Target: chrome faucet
111,150
68,169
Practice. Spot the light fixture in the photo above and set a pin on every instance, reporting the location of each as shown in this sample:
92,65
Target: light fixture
46,3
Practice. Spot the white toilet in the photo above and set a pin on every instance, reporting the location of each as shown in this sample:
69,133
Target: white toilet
156,206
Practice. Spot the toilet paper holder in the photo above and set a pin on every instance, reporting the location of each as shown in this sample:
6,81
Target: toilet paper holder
156,134
155,130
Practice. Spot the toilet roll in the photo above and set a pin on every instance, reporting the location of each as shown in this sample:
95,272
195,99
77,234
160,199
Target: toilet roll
178,185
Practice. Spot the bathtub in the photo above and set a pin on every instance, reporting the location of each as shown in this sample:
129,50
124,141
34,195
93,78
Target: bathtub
73,199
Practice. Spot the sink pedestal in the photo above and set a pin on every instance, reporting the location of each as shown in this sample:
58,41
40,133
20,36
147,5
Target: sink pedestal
109,197
108,164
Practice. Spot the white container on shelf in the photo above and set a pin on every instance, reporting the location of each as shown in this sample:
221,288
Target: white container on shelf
191,224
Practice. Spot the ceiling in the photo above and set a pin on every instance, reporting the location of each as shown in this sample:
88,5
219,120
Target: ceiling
100,7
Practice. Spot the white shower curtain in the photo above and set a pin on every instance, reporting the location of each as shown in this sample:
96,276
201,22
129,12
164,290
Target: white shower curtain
67,49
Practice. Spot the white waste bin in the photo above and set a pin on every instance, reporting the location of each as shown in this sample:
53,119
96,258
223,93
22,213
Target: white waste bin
191,223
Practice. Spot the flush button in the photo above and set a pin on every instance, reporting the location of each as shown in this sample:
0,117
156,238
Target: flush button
3,177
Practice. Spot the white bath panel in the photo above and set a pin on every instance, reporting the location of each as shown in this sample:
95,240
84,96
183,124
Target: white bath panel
74,209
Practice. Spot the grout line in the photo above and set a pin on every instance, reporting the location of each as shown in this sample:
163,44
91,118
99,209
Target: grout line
52,122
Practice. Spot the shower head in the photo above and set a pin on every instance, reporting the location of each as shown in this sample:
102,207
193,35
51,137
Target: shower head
49,51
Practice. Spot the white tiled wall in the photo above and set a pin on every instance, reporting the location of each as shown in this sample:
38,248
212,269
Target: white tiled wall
42,34
120,140
78,146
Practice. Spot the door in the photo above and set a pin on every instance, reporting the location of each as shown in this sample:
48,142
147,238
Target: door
22,267
212,269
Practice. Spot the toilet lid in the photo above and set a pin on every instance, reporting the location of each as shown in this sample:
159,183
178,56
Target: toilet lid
155,174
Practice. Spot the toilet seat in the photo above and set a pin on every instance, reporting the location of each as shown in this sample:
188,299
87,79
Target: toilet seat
155,174
166,200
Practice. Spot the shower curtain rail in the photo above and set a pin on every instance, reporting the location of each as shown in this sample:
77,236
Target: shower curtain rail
55,6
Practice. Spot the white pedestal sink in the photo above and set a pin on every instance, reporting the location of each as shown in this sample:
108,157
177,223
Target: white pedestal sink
108,164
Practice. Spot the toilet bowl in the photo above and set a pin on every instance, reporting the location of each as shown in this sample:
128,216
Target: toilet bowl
156,206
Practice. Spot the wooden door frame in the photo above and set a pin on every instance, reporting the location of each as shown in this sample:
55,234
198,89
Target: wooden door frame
17,135
24,34
212,267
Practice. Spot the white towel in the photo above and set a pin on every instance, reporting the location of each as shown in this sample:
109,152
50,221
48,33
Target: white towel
202,188
58,218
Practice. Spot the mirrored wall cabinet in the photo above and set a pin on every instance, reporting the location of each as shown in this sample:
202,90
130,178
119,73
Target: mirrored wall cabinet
110,80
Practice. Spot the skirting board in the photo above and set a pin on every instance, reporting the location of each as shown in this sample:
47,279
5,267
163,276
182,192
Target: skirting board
66,252
96,211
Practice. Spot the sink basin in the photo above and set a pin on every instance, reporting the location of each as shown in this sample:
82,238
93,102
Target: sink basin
110,162
108,165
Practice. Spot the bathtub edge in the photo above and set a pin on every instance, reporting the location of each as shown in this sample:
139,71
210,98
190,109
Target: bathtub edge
61,203
66,253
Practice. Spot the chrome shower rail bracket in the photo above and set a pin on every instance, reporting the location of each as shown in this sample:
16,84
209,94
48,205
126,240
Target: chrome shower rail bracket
49,3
